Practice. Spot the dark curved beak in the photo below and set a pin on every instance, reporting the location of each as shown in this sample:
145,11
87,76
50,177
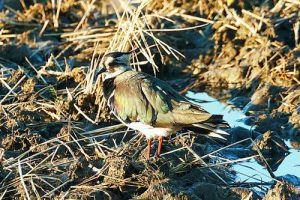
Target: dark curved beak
100,71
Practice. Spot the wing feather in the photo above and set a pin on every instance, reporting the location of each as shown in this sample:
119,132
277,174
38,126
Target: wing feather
141,97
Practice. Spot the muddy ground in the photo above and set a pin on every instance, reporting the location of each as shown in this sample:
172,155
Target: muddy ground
58,139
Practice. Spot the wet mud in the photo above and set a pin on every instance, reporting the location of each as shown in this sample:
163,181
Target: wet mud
58,140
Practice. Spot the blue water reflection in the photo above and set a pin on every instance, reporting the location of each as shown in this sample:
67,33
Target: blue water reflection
249,171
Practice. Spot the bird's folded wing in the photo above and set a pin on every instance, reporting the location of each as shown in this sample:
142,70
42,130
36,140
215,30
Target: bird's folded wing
152,101
140,99
185,113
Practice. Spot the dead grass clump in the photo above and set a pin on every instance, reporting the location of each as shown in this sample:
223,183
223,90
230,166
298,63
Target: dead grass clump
291,100
270,144
294,119
119,169
158,192
283,191
251,41
203,190
56,134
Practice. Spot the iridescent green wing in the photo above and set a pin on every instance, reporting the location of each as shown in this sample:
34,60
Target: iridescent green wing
140,98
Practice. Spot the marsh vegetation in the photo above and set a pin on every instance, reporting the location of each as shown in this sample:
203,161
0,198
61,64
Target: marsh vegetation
58,139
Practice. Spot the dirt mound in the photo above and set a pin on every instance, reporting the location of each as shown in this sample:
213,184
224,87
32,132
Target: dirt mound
58,139
282,191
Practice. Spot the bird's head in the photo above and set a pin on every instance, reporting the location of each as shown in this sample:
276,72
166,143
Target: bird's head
115,63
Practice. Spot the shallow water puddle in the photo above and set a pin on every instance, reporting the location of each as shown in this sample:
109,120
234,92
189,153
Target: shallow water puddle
290,165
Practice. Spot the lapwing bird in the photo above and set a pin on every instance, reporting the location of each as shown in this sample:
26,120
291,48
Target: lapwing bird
149,105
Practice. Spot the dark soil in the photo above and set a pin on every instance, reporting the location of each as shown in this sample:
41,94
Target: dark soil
59,140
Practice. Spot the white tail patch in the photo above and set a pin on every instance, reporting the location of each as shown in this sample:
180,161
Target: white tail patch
215,135
219,131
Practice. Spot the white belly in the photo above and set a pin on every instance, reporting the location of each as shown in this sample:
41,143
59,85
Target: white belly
150,131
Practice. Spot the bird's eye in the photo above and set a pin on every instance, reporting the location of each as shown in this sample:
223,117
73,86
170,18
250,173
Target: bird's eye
108,62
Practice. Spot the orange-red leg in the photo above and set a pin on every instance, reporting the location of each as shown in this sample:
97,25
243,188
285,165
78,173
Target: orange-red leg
149,149
160,141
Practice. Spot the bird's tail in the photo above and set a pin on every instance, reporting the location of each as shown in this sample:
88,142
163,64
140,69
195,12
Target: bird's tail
215,125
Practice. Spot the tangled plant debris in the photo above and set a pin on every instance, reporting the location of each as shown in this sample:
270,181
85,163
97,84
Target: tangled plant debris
58,139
